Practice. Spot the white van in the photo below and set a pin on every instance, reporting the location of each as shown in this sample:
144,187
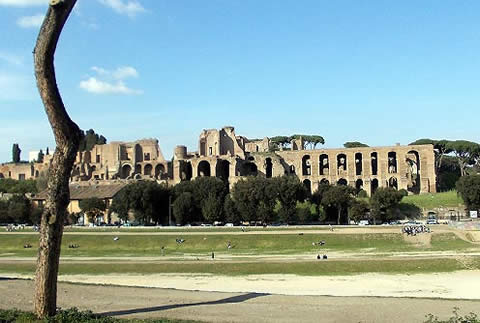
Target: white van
363,222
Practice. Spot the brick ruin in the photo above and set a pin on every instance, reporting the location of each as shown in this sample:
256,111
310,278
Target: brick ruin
223,154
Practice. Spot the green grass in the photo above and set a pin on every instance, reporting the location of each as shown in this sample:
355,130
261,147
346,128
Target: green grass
151,245
248,244
306,268
449,241
436,200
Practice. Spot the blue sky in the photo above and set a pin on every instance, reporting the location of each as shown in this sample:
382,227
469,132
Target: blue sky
378,72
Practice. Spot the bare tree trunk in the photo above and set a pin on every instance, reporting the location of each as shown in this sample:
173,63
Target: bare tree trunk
67,137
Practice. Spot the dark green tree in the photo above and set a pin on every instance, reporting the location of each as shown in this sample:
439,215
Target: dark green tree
340,197
93,207
354,144
212,208
359,210
469,189
40,156
290,191
147,200
16,151
384,202
183,208
466,152
19,209
230,210
90,139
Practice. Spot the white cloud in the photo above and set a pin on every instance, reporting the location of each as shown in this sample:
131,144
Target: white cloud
11,59
110,82
93,85
31,21
121,73
125,7
124,72
23,3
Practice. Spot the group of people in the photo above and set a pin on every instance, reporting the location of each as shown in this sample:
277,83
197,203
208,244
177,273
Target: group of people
13,227
413,230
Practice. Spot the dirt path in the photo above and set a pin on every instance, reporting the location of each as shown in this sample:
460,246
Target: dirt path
233,307
457,285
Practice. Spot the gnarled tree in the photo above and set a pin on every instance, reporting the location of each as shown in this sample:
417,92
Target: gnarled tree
67,137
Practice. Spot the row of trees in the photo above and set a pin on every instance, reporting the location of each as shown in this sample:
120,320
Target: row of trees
310,141
19,209
8,185
253,199
467,153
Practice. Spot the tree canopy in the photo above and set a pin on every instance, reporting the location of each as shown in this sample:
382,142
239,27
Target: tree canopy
384,202
93,207
354,144
16,151
90,139
469,189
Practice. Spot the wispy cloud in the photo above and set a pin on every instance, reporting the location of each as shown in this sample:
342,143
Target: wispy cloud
125,7
31,21
110,82
23,3
11,59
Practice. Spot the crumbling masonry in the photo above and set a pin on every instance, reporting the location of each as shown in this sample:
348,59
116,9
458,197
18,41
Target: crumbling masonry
225,155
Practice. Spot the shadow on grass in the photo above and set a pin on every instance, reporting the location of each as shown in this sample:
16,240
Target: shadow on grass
229,300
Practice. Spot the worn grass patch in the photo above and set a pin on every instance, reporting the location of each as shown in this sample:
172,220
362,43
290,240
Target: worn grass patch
308,268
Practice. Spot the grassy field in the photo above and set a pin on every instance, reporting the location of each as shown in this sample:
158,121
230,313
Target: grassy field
248,244
430,201
307,268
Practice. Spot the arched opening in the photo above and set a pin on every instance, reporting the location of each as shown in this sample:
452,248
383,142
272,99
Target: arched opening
308,186
306,166
392,162
373,186
342,181
359,185
248,169
126,170
37,174
186,171
324,182
251,158
138,169
393,183
147,170
341,163
203,169
412,161
138,153
374,163
324,165
358,164
159,171
223,169
268,168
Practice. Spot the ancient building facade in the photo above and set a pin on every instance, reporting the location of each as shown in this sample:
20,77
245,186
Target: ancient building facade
223,154
141,159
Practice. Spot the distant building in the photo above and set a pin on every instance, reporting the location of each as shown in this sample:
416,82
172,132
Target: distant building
33,156
105,191
223,154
